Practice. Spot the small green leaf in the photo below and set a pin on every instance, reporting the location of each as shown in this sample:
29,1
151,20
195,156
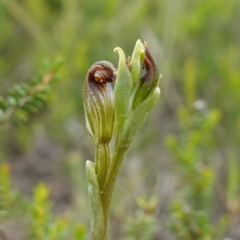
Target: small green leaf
42,97
21,115
13,93
36,103
30,108
25,87
19,90
12,101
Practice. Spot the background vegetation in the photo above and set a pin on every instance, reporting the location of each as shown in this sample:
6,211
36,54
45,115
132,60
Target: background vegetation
181,179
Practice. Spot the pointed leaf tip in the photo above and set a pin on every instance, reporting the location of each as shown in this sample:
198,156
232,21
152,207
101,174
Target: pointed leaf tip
120,53
135,64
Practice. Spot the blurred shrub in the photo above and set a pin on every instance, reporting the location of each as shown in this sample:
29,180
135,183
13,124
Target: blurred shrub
7,195
144,225
36,214
28,98
192,150
40,213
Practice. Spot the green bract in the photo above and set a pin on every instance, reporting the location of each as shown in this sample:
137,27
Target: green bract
125,111
135,64
122,90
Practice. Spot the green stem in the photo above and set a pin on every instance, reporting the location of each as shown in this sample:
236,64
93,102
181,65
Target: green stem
109,185
102,159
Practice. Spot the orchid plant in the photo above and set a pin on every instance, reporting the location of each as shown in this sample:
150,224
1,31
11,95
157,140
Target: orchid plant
119,111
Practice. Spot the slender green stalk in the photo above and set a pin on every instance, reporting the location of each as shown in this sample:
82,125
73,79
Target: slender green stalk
102,158
116,162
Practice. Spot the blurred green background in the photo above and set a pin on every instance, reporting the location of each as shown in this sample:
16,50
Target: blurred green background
181,178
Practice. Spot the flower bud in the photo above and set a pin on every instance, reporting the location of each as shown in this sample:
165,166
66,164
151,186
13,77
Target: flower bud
98,99
149,81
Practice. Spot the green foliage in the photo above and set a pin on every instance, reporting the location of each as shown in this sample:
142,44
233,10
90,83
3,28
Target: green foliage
36,213
144,225
7,195
23,100
192,149
42,225
27,98
190,224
